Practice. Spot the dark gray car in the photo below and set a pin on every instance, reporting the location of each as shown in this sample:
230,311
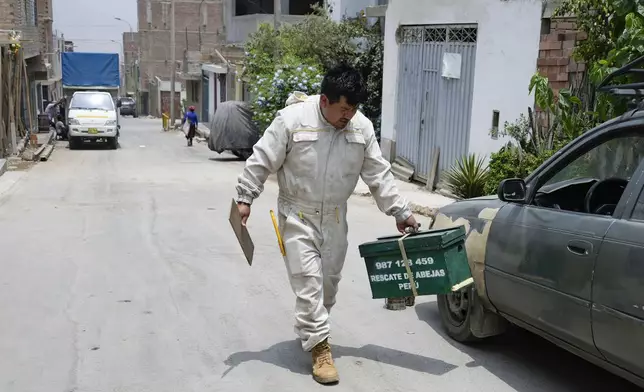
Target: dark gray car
561,253
128,107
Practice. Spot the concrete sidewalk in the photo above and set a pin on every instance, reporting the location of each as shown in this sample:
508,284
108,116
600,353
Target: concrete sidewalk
3,166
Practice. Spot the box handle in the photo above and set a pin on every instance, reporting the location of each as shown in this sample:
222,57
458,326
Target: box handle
406,261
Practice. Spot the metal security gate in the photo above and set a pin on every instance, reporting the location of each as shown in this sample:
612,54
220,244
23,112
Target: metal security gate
434,109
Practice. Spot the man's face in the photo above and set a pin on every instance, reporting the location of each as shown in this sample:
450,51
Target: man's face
337,114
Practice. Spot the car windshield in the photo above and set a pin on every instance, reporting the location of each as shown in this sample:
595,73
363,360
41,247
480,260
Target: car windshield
616,158
92,102
127,100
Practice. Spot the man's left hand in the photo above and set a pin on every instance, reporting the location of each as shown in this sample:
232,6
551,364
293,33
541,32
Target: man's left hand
410,222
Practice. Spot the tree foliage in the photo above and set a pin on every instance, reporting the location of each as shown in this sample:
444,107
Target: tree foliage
295,57
615,37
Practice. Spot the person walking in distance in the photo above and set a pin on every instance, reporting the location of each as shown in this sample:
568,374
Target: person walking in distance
193,123
319,147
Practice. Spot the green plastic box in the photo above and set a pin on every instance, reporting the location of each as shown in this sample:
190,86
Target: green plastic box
438,262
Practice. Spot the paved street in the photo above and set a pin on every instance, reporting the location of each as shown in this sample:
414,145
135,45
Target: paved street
119,272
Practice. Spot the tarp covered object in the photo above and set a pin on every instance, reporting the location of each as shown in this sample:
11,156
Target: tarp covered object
232,127
90,69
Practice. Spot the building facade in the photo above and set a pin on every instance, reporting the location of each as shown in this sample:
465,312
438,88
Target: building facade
198,27
453,71
210,35
33,19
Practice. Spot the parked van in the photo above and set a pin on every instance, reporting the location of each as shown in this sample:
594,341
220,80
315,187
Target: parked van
93,116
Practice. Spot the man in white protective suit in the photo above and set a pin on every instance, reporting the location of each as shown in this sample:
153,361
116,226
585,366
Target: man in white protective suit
319,146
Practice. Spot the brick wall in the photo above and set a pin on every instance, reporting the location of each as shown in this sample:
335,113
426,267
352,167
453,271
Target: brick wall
555,53
45,31
156,53
155,36
189,13
13,15
7,14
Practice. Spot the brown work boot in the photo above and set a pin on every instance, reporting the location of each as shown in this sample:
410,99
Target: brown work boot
324,370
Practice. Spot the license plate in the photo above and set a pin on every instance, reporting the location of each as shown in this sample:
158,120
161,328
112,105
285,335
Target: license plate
92,131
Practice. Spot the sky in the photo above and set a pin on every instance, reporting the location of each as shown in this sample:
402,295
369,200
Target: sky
91,24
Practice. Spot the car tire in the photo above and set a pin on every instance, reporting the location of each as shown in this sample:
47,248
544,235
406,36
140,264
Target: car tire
113,143
242,154
73,143
456,311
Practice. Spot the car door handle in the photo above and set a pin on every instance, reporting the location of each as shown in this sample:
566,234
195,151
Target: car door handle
581,248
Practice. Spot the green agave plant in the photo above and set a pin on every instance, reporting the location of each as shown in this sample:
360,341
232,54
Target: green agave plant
467,177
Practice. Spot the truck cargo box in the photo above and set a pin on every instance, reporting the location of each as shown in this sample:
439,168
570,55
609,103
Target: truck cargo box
90,70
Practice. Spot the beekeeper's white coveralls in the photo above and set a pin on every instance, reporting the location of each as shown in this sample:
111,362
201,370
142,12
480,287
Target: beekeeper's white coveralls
317,170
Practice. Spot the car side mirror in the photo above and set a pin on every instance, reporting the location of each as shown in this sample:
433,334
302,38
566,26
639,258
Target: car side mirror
513,190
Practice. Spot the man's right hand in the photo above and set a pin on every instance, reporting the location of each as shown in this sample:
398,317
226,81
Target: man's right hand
244,211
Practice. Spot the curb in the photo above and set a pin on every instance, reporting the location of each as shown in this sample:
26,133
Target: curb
198,131
201,133
49,149
46,148
3,166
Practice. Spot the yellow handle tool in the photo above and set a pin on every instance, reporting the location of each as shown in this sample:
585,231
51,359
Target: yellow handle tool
277,232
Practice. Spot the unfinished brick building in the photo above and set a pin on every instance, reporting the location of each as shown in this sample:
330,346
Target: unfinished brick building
198,25
33,18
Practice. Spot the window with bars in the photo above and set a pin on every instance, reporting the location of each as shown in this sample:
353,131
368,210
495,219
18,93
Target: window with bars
463,34
418,34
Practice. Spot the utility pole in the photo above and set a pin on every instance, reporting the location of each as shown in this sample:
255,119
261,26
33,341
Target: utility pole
173,67
277,14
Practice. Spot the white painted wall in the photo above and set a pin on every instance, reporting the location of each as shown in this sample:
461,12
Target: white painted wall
165,85
219,88
212,81
506,56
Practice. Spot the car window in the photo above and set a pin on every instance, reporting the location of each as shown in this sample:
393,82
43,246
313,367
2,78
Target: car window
592,179
92,101
615,158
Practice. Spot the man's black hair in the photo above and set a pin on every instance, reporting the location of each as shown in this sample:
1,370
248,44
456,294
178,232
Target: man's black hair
343,80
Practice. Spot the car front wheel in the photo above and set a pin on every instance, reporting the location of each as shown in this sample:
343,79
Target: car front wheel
113,143
456,310
73,142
